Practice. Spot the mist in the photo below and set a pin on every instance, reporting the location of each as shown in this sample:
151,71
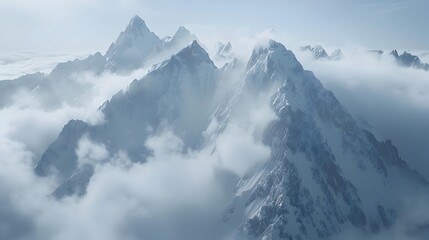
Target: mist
178,191
390,100
14,65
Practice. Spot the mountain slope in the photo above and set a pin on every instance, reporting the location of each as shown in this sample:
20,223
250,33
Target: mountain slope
132,47
10,89
52,90
135,47
177,93
325,173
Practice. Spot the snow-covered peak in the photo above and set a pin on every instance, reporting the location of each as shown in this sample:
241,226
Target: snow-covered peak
178,91
270,63
137,24
180,38
222,50
182,32
273,56
194,53
405,59
132,47
337,55
222,53
318,51
135,30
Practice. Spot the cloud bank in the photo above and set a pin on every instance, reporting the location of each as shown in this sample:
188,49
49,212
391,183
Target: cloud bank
392,99
181,193
14,65
178,193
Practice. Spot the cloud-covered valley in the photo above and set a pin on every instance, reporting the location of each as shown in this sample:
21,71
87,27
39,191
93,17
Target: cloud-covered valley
186,149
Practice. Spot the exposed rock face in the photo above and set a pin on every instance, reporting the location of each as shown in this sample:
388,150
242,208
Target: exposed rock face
315,183
325,172
176,93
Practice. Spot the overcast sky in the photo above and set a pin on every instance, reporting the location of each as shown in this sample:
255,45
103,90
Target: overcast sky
91,25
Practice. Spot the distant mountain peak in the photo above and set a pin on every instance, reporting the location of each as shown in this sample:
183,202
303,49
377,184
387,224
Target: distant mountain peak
182,30
394,52
337,55
222,50
137,21
181,35
222,54
137,26
319,52
405,59
132,47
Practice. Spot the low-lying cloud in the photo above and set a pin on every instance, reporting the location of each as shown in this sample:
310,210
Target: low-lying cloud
14,65
391,98
178,193
181,193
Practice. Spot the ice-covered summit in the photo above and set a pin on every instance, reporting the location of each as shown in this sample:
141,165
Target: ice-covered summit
270,61
319,52
132,47
222,54
222,50
181,38
405,59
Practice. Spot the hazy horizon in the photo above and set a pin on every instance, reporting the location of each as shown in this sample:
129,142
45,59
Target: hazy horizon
183,139
90,26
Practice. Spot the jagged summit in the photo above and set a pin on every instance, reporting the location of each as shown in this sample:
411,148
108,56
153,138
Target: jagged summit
405,59
222,54
273,56
136,20
182,31
137,23
337,55
177,91
195,53
222,50
324,173
132,47
181,38
394,52
320,53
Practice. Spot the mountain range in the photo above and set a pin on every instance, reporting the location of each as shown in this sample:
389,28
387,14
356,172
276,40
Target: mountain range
405,59
136,47
319,52
325,173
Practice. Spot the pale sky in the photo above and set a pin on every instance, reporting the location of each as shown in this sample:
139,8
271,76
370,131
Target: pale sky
91,25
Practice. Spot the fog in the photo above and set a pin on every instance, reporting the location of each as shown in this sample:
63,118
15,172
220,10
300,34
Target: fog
390,100
16,64
178,193
181,193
